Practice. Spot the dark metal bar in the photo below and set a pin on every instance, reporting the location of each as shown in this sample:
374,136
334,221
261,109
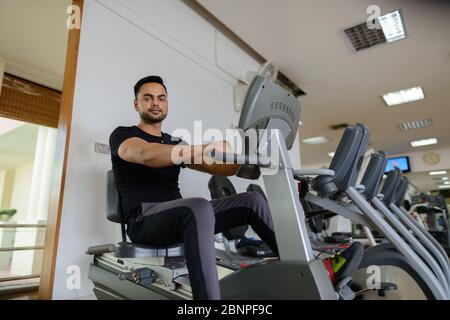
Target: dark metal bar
21,248
8,226
7,279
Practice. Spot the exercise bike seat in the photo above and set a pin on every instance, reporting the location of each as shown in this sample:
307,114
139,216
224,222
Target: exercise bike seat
135,250
127,249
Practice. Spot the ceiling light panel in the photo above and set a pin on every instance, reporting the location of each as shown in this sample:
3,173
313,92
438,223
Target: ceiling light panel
423,142
436,173
404,96
316,140
392,26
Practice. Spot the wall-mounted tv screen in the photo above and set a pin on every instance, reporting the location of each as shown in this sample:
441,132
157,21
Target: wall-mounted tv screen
400,162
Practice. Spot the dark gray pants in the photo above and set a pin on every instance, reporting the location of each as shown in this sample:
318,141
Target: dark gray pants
194,221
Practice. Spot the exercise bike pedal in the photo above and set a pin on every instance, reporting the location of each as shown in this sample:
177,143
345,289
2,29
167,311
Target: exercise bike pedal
343,289
386,286
140,276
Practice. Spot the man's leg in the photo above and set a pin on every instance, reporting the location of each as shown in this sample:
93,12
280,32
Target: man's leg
189,220
246,208
251,208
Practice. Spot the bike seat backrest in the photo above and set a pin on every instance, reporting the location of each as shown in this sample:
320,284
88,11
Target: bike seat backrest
256,188
391,185
113,212
401,192
373,175
220,187
345,163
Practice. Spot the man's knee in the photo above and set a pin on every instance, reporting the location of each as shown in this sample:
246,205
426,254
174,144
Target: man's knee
254,199
257,203
200,210
254,196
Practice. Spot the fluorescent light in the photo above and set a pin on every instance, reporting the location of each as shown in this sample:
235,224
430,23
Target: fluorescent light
424,142
331,154
447,182
444,178
444,187
435,173
316,140
392,26
404,96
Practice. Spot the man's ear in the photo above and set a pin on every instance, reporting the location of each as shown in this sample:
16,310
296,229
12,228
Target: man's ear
135,104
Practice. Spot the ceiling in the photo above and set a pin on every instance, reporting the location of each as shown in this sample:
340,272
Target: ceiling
307,41
33,39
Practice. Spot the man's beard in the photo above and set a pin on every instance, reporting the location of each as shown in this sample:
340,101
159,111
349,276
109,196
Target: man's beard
148,118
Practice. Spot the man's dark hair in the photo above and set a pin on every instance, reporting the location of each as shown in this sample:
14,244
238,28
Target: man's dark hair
140,83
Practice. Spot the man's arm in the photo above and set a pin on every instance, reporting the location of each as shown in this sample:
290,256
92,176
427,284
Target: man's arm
214,167
156,155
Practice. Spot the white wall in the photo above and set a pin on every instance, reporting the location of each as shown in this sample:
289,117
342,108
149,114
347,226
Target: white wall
122,41
2,185
30,261
8,185
418,165
32,192
42,172
21,191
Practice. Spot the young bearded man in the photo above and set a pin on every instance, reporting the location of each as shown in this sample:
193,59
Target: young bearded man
146,175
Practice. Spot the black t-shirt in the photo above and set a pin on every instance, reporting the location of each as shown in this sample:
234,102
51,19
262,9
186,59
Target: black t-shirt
137,183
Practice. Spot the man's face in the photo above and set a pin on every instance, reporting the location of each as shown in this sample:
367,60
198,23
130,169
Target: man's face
151,103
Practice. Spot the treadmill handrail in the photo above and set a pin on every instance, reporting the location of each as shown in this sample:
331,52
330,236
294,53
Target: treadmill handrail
386,229
314,172
414,243
424,237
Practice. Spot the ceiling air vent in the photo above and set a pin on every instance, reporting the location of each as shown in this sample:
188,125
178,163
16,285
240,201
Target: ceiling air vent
390,28
412,125
362,37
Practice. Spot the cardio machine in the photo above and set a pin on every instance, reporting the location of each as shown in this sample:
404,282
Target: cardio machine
412,265
133,271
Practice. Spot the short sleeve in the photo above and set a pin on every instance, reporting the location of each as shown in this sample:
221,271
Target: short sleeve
118,136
